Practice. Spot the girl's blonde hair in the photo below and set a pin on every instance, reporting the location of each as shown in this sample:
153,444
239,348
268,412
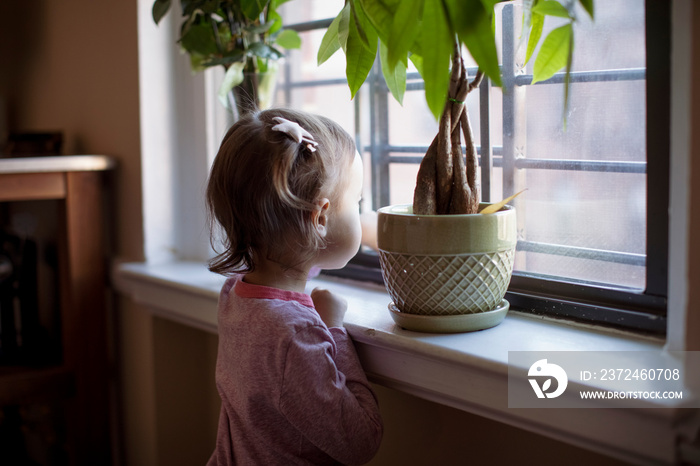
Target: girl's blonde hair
263,188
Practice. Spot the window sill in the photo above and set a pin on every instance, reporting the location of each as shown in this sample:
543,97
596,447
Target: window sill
466,371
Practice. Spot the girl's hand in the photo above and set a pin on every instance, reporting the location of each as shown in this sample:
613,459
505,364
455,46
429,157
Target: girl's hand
369,229
331,308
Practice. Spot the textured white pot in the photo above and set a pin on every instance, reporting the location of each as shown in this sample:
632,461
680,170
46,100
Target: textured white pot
446,265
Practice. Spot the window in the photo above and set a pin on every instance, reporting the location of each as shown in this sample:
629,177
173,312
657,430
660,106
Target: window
593,222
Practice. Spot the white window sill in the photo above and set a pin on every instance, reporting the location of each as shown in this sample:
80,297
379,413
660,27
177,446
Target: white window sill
467,371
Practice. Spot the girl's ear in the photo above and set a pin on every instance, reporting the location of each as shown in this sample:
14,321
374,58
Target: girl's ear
319,217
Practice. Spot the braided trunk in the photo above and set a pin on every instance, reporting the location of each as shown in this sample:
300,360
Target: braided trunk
446,184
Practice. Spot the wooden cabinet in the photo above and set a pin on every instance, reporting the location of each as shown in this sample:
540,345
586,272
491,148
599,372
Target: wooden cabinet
82,378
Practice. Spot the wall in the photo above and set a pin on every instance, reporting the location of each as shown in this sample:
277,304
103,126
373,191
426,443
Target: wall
694,221
72,65
419,432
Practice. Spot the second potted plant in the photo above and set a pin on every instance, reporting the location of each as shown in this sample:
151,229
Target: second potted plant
242,36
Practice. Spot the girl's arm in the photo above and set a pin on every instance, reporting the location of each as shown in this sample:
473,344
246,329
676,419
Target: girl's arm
326,395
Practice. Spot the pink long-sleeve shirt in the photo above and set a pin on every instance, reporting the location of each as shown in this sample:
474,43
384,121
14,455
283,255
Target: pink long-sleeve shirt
292,390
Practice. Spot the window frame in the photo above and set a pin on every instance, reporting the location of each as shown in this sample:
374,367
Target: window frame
556,297
644,311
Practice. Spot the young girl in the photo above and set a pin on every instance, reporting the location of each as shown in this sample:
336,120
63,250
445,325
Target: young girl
285,189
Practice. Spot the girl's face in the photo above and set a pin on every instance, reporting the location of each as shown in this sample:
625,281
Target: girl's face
344,231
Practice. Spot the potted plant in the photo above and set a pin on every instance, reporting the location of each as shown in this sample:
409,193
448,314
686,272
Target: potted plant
242,36
447,259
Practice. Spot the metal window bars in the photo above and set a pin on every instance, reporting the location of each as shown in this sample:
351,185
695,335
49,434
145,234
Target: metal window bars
600,303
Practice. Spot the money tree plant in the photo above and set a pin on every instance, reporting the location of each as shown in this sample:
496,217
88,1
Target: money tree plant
434,35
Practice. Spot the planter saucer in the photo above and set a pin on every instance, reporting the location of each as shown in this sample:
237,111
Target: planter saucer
450,323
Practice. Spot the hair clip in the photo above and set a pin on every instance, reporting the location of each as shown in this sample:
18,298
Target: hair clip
296,132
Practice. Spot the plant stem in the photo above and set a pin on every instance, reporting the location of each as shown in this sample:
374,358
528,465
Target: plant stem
215,30
446,184
424,198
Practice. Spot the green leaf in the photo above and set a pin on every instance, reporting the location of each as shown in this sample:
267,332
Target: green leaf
358,57
553,54
261,50
331,41
527,15
232,78
258,28
527,19
344,26
276,20
417,46
395,77
359,23
404,30
160,8
370,32
551,8
417,61
262,64
224,32
481,43
199,38
462,15
232,57
437,59
588,6
472,22
329,44
252,8
381,15
197,62
289,39
535,34
186,25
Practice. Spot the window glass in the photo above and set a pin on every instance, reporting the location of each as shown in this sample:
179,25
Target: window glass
583,218
584,214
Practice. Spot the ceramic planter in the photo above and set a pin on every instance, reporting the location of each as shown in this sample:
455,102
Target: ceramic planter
446,272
